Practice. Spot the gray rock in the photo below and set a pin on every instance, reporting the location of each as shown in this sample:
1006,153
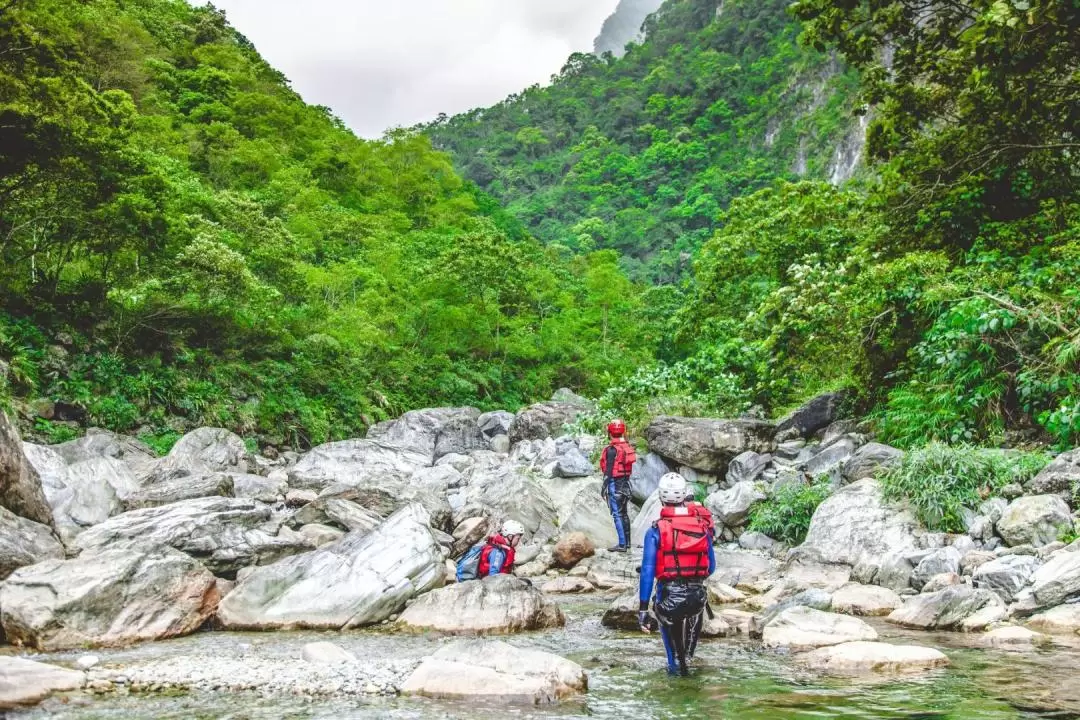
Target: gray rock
838,429
944,610
746,467
25,682
336,510
811,417
1006,576
502,491
730,508
646,476
111,597
24,542
804,628
866,600
856,525
269,489
831,460
417,431
20,485
942,560
649,513
1061,477
613,570
1052,584
496,672
319,535
499,604
201,452
814,598
857,658
543,420
360,580
870,461
941,581
708,445
495,423
757,541
566,395
892,570
622,614
174,490
460,436
973,559
326,653
225,533
573,463
500,444
1035,520
98,443
357,463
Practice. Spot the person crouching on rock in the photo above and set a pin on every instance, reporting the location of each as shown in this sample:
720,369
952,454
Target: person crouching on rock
498,554
617,462
678,558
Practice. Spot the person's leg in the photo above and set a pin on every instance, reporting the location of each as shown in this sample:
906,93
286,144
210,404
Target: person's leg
694,630
622,493
622,525
679,634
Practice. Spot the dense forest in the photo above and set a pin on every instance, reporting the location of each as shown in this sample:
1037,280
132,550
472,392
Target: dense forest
184,242
755,204
941,291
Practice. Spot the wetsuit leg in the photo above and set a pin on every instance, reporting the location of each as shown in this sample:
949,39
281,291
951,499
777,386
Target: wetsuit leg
618,495
694,632
680,631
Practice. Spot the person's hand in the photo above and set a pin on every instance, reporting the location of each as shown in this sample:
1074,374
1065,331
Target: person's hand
643,621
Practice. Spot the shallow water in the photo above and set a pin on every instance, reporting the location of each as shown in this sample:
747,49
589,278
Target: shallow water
733,678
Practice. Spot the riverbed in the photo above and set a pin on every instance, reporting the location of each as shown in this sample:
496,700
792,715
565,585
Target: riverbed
732,678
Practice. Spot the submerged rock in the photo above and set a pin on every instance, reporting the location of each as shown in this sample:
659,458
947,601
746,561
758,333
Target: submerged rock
803,628
499,604
1013,637
868,657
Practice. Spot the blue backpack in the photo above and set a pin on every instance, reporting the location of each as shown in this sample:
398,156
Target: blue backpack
468,566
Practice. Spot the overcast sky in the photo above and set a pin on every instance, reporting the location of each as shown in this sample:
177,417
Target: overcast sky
381,63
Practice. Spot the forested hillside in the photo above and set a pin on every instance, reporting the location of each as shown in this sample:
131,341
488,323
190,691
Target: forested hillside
942,294
184,242
642,153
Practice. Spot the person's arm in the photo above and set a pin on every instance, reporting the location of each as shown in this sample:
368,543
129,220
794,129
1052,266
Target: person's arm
712,559
496,558
610,453
648,573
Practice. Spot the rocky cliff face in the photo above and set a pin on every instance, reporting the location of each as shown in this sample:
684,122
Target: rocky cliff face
624,25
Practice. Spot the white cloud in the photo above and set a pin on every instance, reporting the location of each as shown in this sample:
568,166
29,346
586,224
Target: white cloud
382,63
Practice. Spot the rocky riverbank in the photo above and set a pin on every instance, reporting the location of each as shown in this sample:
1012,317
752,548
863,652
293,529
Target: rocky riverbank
103,545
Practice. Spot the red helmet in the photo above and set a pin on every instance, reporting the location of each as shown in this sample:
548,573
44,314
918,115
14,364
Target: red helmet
616,427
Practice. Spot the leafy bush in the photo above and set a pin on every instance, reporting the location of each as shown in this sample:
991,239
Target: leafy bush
53,432
939,481
162,442
786,515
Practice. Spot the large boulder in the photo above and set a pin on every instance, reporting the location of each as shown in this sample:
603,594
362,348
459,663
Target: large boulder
830,461
646,475
460,436
938,562
1034,520
417,431
495,423
815,415
25,682
543,420
572,548
581,509
98,443
24,542
866,600
499,604
640,524
731,507
359,580
622,614
496,672
870,461
174,490
356,463
202,452
1060,620
1007,575
608,570
111,597
572,463
225,533
871,657
503,491
856,525
893,570
706,444
1061,477
1053,583
944,610
335,510
20,485
746,467
268,489
804,628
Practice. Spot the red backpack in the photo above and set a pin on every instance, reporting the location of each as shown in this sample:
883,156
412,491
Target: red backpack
625,457
684,544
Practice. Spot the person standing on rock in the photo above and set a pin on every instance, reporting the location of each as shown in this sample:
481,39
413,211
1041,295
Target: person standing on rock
617,462
678,558
499,552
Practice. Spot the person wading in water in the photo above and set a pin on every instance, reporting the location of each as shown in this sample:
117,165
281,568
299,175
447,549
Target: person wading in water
678,558
617,462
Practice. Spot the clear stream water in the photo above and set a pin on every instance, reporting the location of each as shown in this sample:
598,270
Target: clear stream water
733,678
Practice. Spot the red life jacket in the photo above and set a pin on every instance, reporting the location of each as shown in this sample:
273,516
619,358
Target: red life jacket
496,541
625,457
703,512
684,543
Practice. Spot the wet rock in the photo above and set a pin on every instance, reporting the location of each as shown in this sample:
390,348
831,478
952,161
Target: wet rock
543,420
20,485
359,580
1060,620
944,610
622,614
870,461
225,533
1013,637
495,423
567,585
747,467
1061,477
204,451
571,549
815,415
24,542
111,597
497,604
1035,520
496,671
326,653
873,657
177,489
1006,576
706,444
940,561
865,600
786,595
740,621
25,682
941,581
804,628
646,476
715,627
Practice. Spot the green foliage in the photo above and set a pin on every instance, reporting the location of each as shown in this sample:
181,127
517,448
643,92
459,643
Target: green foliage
54,432
939,481
161,442
786,515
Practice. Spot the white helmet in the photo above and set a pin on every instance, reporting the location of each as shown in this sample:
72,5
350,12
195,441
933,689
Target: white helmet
511,528
672,489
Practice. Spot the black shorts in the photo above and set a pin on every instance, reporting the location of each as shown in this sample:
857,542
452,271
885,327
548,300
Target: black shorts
679,600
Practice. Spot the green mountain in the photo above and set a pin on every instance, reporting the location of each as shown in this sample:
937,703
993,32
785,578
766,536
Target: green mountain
641,153
183,241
